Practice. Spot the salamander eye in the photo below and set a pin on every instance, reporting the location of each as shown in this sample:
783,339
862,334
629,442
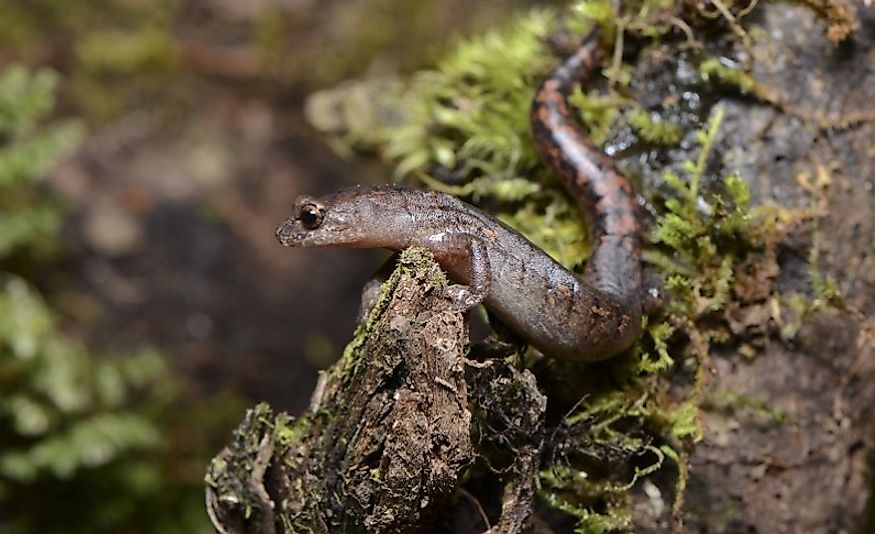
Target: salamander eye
311,216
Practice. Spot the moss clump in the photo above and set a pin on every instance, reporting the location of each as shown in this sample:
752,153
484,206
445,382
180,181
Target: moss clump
695,230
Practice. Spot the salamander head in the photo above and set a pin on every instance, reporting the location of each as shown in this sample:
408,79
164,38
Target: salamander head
348,218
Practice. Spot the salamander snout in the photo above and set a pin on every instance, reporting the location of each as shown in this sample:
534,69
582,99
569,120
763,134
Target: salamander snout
317,223
307,216
285,233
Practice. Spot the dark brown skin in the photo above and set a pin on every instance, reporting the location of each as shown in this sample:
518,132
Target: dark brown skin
544,303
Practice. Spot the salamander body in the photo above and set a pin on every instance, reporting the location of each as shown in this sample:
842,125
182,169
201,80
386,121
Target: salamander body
585,319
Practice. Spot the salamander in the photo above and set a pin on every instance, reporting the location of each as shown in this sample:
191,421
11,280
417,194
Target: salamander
584,319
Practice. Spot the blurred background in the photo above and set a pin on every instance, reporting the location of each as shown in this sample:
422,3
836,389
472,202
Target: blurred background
147,151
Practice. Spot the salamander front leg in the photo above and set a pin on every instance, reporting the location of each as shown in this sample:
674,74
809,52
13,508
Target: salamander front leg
466,297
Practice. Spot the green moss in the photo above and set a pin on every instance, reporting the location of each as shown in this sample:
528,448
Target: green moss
288,431
685,422
600,112
555,483
469,115
654,129
474,107
700,237
713,70
731,401
660,333
825,289
556,227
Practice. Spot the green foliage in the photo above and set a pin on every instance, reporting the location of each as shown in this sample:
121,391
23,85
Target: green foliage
65,406
86,437
119,51
26,154
24,97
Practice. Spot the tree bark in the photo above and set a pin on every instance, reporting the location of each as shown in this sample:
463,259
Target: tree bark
804,464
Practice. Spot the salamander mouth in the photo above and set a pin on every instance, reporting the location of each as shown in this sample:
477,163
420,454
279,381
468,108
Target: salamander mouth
290,233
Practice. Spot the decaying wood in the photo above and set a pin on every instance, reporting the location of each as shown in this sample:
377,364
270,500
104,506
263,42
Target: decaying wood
389,432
